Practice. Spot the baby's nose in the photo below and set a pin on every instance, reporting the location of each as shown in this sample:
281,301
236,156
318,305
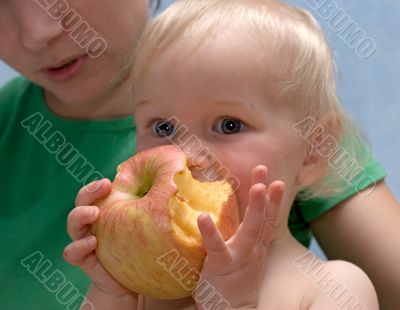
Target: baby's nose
198,166
206,168
197,162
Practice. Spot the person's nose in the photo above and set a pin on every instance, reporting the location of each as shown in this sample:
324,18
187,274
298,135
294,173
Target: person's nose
198,167
198,162
38,29
204,166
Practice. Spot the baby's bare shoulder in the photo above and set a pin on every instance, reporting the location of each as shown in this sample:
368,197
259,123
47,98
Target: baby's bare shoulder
286,286
314,284
340,284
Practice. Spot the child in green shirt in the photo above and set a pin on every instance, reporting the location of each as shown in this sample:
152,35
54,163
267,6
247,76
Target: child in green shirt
61,126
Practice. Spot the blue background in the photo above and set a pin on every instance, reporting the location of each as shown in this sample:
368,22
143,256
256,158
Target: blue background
368,87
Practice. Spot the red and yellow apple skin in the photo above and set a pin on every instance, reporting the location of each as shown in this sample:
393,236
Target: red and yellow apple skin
151,210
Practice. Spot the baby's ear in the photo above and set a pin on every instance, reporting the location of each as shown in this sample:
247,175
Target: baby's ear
314,167
321,141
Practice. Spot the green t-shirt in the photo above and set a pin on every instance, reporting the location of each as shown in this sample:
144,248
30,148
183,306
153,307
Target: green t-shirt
44,161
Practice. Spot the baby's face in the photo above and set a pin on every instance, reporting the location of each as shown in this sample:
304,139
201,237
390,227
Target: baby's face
218,92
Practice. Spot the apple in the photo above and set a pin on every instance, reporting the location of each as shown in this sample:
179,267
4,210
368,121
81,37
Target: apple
147,232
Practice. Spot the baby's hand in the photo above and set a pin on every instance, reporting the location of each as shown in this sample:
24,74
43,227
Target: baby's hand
80,252
235,268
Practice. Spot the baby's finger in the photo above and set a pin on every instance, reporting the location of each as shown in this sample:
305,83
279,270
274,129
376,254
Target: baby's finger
88,194
249,232
77,252
217,251
79,220
275,195
259,174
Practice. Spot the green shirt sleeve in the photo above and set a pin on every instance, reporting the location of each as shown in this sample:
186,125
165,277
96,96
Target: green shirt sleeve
304,211
315,207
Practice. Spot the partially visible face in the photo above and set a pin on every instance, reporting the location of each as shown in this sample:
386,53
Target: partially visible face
219,93
32,42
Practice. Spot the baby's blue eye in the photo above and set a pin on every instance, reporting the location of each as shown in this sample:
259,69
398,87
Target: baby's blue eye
229,126
163,129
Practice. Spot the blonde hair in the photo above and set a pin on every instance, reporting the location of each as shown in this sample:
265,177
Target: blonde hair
304,76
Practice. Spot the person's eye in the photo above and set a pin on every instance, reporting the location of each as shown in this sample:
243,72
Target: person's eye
229,126
162,128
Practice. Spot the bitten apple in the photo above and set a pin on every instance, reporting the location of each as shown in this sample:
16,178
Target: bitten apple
151,211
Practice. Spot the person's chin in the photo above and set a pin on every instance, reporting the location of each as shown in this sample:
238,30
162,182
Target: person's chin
83,90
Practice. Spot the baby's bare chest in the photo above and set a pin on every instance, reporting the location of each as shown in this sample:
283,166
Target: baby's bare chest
282,289
181,304
275,300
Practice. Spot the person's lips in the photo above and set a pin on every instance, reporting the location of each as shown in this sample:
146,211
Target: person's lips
65,69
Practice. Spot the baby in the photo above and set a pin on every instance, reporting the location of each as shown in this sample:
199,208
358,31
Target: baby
254,82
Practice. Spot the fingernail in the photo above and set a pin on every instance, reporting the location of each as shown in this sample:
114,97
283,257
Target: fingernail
91,241
94,186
